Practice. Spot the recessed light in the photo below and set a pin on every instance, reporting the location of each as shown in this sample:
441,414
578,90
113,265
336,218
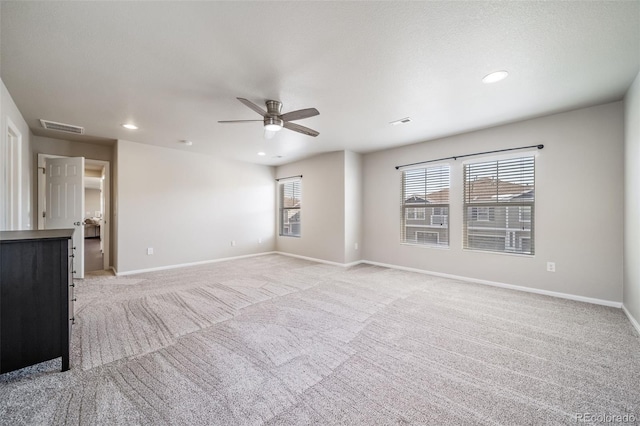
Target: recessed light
130,126
401,121
186,142
261,154
495,77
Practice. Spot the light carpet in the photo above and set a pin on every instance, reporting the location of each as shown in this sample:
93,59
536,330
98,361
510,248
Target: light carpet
282,341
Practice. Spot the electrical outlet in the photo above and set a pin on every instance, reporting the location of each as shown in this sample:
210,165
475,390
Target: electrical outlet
259,240
233,243
356,246
150,251
551,266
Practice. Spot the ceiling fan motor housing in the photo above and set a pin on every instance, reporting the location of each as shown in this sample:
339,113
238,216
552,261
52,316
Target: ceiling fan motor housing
274,108
273,121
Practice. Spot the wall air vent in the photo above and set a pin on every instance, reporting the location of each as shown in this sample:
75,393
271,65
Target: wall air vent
61,127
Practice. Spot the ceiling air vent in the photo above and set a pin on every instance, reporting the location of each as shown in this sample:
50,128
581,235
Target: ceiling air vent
61,127
401,121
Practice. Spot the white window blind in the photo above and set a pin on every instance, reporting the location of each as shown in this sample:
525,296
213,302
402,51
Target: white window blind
499,204
425,206
290,207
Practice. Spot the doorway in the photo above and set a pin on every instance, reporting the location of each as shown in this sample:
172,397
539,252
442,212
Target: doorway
96,212
93,222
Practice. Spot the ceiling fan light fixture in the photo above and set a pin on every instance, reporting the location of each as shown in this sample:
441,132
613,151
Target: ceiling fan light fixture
274,120
273,124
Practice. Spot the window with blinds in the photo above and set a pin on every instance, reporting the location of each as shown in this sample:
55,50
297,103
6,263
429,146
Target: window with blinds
425,206
499,205
290,207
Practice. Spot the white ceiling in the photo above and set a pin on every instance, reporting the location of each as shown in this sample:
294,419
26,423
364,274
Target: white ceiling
175,68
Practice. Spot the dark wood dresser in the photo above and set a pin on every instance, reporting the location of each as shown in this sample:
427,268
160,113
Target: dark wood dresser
36,297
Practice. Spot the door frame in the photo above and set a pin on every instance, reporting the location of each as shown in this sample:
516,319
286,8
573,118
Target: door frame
11,191
42,185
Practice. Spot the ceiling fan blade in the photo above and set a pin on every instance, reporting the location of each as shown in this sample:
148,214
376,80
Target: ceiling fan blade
253,106
300,114
239,121
300,129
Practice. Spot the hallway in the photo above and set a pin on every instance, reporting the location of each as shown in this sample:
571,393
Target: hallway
92,255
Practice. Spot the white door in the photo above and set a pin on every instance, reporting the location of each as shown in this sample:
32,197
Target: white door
65,202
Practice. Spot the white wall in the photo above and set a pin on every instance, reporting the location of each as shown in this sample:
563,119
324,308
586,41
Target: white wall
92,198
9,113
579,205
93,151
189,207
632,201
323,208
353,187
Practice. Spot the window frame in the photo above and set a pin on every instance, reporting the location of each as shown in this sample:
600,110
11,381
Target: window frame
490,188
282,209
416,211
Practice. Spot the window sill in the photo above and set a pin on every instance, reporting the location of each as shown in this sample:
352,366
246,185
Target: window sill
503,253
425,246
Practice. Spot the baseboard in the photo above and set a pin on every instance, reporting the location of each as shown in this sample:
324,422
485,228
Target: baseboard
502,285
313,259
633,321
403,268
184,265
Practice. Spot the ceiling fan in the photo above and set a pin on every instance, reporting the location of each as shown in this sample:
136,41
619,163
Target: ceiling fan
274,120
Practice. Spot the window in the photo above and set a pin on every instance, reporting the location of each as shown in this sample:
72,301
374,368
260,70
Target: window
416,213
499,205
439,216
524,214
482,214
425,237
425,206
290,192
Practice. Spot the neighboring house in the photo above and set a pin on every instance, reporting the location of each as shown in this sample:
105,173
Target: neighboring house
426,219
290,216
498,215
291,224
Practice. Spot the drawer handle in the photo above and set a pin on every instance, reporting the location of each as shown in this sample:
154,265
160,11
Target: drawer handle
73,320
74,299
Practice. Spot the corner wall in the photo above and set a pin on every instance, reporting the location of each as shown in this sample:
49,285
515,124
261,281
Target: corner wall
353,186
189,207
631,297
323,209
9,111
579,205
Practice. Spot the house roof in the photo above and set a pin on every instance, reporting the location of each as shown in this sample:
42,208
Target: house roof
489,189
483,189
